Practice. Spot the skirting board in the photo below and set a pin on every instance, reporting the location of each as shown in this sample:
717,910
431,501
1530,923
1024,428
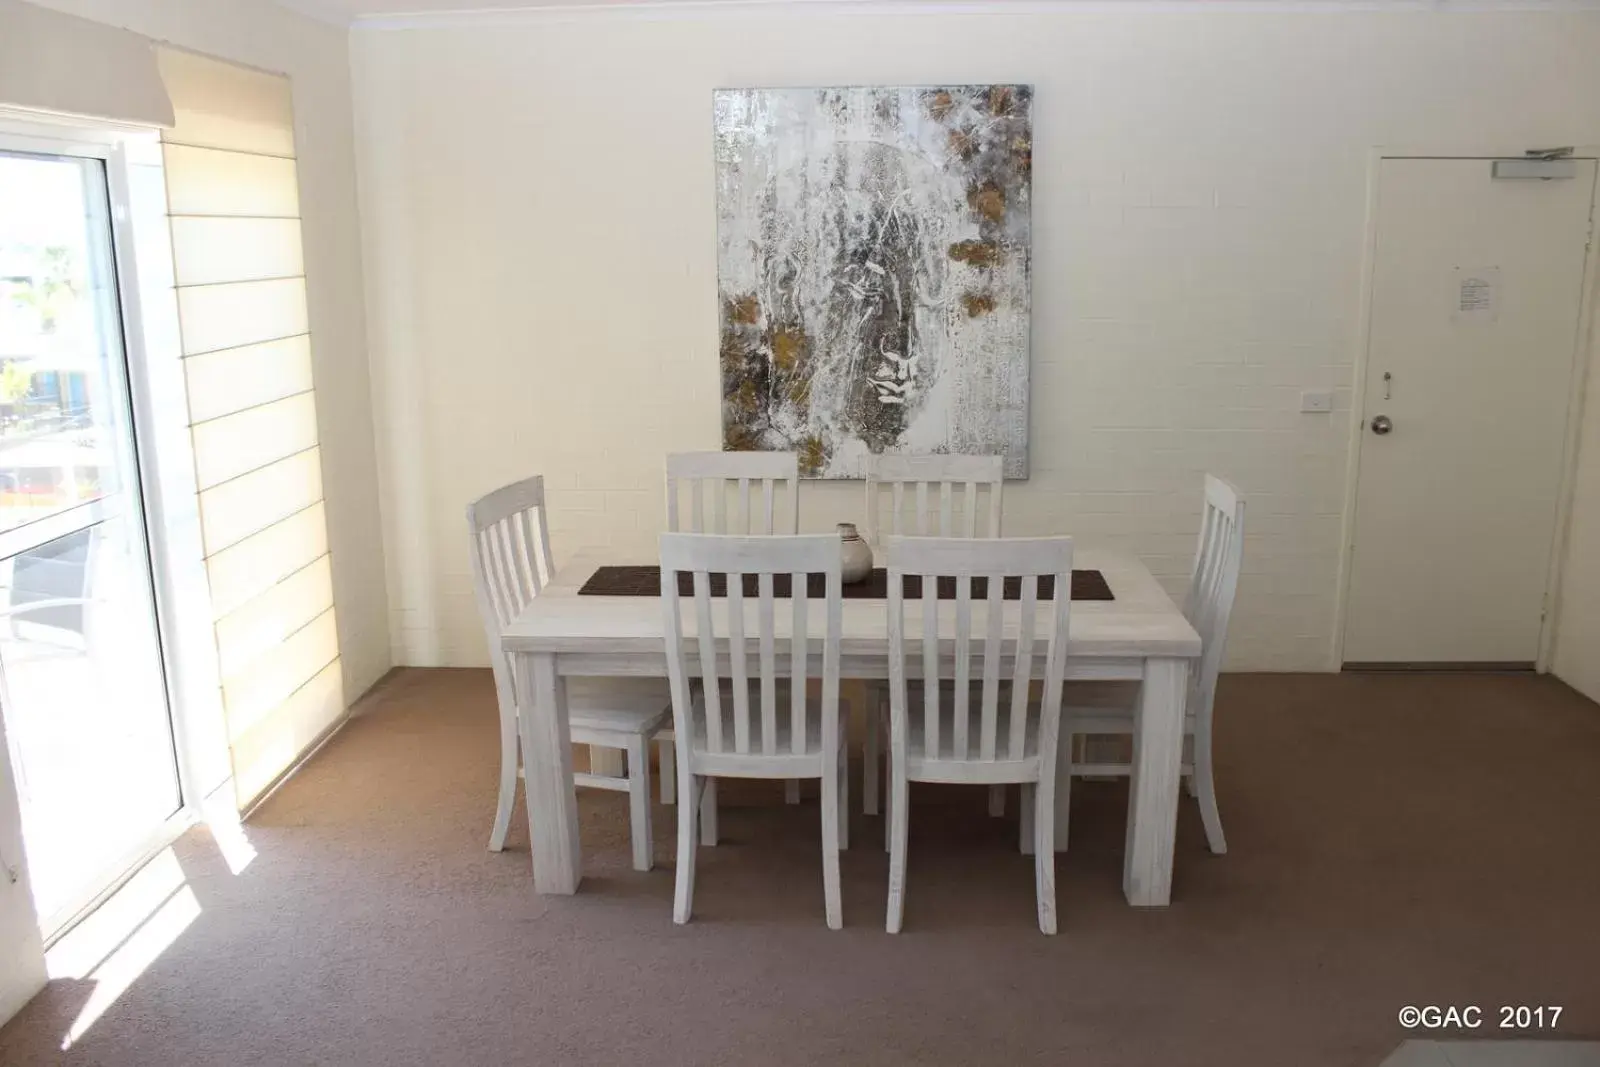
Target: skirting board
1429,667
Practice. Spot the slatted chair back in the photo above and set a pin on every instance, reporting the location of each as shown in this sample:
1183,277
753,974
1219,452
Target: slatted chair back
511,562
1213,583
1013,634
730,639
969,492
718,486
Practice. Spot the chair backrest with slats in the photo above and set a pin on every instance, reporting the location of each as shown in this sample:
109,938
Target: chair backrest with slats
1213,583
719,485
726,633
1014,634
511,561
969,495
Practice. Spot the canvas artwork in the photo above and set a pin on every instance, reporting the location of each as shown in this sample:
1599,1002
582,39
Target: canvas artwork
873,272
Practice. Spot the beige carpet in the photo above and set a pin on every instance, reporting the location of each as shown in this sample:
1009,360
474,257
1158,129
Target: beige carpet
1395,840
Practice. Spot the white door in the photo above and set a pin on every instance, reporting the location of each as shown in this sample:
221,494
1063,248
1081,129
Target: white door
82,689
1477,288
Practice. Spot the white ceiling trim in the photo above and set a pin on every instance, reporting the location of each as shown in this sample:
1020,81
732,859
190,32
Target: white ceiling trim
651,10
320,10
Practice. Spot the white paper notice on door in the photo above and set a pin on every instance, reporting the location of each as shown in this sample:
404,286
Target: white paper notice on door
1475,294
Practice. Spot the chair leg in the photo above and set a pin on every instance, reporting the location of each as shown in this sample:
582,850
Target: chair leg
1067,748
888,813
997,801
1044,853
791,791
1025,820
871,757
1062,787
832,787
1206,787
668,754
844,795
639,804
683,882
1189,783
895,836
708,812
508,779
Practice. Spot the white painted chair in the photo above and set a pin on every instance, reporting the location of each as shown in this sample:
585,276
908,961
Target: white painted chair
742,731
724,481
721,483
1207,606
967,487
995,741
975,483
510,565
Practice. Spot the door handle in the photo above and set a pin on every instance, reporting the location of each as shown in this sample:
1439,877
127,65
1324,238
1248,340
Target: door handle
1381,424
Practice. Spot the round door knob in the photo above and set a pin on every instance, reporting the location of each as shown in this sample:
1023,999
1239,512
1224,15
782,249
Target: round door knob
1381,424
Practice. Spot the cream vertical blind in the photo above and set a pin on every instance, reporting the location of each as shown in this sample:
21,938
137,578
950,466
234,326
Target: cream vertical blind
233,198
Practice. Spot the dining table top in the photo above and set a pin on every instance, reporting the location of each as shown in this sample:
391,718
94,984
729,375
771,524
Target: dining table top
1140,620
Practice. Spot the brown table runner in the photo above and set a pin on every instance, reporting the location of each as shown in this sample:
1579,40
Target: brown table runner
646,581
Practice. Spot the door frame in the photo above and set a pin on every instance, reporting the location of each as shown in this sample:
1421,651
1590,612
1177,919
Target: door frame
117,148
1583,353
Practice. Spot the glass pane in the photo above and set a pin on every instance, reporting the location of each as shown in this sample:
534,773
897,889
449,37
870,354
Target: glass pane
60,408
85,709
81,679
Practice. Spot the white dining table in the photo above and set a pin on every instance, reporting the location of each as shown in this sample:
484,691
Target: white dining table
1139,635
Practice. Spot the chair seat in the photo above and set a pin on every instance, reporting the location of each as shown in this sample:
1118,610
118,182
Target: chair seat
784,761
943,765
617,706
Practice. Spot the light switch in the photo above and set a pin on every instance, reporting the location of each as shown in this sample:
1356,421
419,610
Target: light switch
1316,400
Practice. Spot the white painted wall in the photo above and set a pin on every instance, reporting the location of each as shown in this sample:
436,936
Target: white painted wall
1577,658
537,198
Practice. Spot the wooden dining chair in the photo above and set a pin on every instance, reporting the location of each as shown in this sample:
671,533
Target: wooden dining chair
902,494
1212,585
901,489
511,564
989,741
718,487
755,727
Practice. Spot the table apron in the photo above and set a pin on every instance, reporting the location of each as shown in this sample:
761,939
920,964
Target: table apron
611,664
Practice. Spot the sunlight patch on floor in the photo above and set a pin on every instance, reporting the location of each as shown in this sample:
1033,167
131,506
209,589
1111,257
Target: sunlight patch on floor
119,941
232,842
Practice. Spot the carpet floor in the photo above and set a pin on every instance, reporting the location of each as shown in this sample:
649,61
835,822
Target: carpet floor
1394,841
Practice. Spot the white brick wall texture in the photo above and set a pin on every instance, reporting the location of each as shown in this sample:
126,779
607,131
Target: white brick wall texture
1200,205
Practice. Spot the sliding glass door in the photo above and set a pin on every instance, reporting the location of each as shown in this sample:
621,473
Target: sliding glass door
81,679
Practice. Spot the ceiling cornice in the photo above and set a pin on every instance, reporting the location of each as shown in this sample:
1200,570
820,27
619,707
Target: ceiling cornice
658,10
314,10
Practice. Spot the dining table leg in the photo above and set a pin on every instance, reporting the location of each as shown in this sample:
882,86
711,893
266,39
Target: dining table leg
547,767
1153,786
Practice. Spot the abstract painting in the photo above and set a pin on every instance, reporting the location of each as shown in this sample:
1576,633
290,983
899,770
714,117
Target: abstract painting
873,272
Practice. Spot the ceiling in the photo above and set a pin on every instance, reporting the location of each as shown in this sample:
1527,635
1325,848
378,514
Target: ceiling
348,11
380,12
